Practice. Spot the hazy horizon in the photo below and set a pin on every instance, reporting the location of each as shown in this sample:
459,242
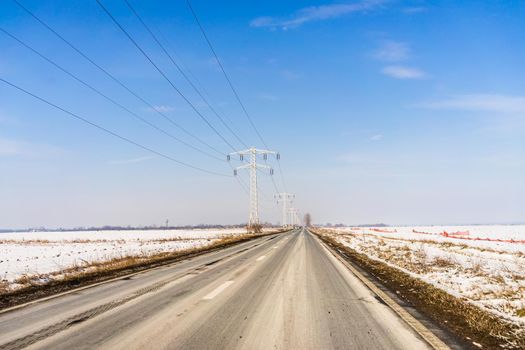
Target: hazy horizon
177,226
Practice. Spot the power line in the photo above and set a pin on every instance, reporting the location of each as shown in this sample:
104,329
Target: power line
163,74
112,77
273,180
203,89
240,181
281,174
282,177
112,133
196,79
185,67
208,41
184,74
136,95
224,73
198,82
243,186
133,114
285,199
274,185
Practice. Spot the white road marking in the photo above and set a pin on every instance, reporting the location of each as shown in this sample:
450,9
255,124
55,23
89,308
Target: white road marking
261,257
217,290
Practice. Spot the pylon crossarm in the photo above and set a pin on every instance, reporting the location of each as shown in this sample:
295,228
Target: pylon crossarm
254,150
263,166
263,151
245,166
245,152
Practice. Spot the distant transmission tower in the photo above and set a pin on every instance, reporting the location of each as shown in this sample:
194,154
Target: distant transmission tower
253,221
285,199
294,216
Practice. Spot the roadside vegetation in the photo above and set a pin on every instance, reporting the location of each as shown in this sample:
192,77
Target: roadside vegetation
34,286
399,267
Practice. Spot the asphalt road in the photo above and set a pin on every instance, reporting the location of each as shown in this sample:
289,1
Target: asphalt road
280,292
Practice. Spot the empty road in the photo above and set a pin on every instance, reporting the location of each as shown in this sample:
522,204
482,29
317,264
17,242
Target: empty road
280,292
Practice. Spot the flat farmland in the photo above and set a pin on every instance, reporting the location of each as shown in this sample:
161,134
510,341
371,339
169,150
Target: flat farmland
483,265
37,257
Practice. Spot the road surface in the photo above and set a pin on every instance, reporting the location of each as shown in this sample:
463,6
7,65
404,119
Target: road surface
279,292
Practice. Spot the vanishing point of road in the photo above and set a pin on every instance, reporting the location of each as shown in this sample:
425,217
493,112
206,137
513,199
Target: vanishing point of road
285,291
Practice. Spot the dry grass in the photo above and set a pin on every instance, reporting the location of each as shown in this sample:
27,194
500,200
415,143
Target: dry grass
25,242
476,268
441,244
4,287
496,292
95,241
79,271
25,279
498,279
443,262
37,286
464,319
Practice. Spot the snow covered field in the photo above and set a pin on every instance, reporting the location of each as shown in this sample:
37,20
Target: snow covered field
484,265
41,253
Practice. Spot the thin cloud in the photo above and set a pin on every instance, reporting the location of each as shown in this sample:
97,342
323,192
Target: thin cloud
393,51
364,159
315,13
16,148
290,75
132,160
403,72
479,102
377,137
8,120
10,148
506,159
414,10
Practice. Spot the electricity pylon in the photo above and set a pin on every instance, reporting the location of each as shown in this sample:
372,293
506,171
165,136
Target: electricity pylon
285,199
298,218
253,220
294,216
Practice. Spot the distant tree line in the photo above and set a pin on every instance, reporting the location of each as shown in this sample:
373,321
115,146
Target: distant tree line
132,228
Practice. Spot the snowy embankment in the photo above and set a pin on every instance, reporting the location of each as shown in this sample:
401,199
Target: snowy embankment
47,254
484,265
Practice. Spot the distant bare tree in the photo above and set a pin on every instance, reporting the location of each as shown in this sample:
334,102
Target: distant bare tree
254,228
308,220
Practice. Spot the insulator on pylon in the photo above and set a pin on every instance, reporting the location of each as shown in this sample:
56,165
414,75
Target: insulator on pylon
241,157
228,157
271,171
234,172
265,156
278,156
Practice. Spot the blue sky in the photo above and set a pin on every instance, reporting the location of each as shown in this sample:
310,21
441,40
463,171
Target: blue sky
403,112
